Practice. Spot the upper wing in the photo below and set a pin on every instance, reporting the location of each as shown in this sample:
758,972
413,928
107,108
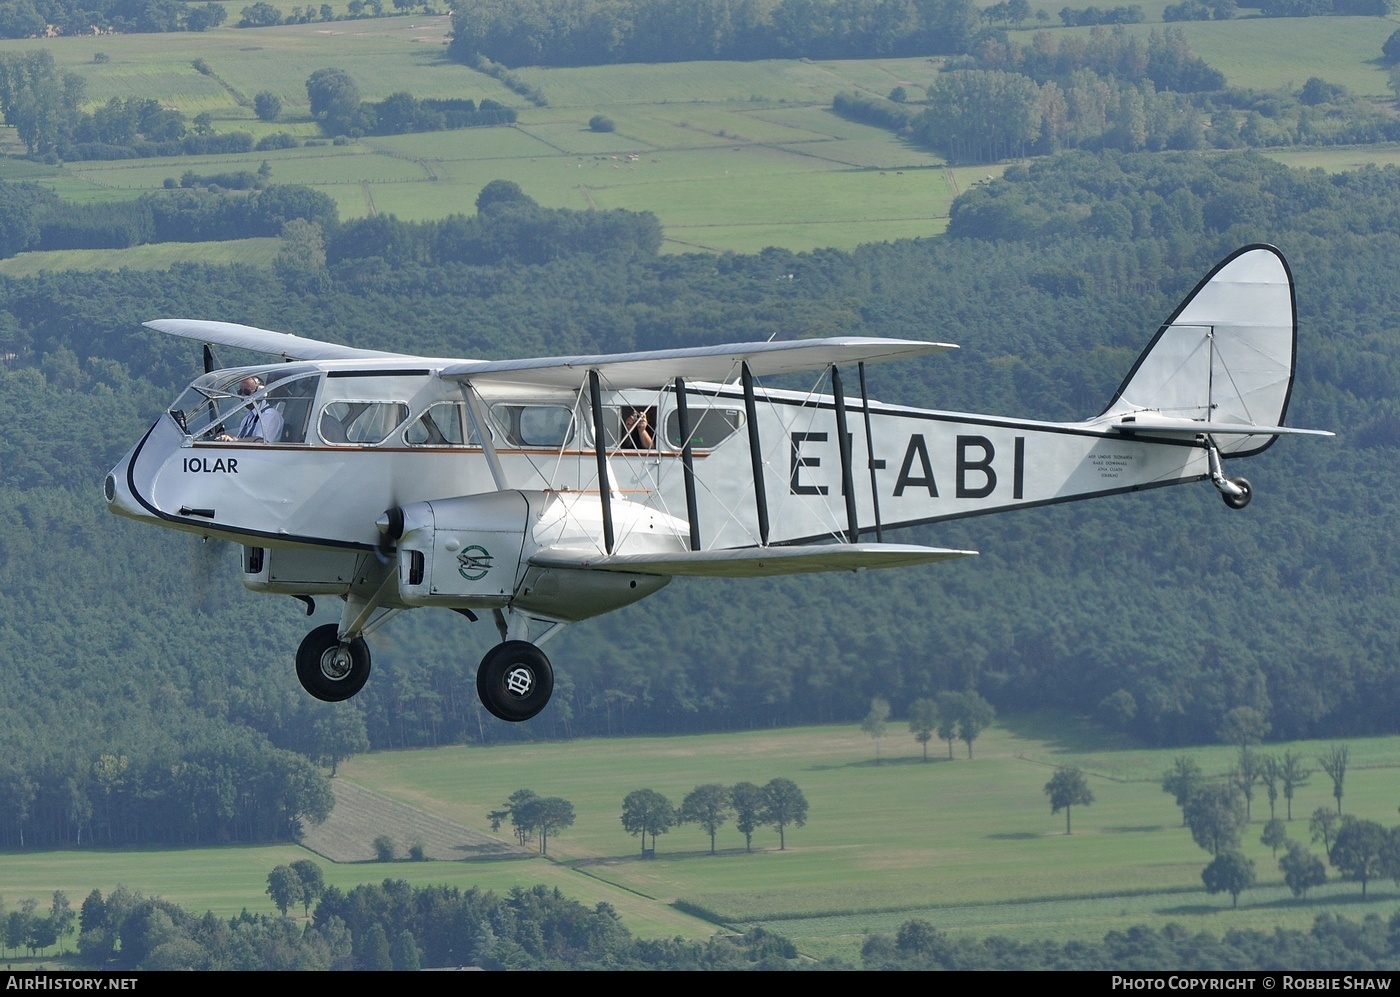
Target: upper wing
751,562
247,337
649,369
653,368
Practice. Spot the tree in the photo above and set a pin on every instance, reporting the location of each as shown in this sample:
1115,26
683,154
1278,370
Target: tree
313,882
61,917
1391,47
709,806
874,723
404,953
950,705
1302,870
923,720
338,732
1275,835
1359,849
1323,827
1229,872
601,123
260,15
783,804
1181,780
385,848
552,814
1269,775
645,811
976,716
1293,777
284,887
1216,815
335,99
267,106
1067,789
1246,774
501,192
747,799
1334,763
1244,725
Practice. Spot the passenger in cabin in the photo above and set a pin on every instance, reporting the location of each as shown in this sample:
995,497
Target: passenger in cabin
262,423
636,430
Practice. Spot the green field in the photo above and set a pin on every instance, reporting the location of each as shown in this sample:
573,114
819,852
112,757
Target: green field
969,845
730,156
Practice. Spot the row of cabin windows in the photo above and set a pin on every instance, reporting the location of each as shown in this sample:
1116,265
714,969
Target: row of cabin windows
444,424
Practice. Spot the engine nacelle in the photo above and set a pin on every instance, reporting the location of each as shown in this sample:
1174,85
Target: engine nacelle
463,551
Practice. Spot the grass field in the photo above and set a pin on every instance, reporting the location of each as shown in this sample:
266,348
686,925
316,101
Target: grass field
730,156
969,845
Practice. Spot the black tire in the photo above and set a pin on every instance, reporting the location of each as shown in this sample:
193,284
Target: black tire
514,681
1241,500
329,670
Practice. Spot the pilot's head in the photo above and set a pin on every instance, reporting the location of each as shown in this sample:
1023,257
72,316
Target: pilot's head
249,385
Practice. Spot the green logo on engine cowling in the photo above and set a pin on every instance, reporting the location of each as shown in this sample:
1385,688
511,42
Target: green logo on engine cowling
474,562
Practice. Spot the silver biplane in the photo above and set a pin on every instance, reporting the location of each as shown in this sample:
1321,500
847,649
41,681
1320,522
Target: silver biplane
547,491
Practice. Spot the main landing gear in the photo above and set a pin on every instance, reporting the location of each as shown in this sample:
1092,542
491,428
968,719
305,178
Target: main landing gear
514,680
330,669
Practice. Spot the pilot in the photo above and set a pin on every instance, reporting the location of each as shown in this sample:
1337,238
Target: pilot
262,423
637,433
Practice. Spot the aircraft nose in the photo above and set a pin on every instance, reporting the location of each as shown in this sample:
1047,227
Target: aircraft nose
118,494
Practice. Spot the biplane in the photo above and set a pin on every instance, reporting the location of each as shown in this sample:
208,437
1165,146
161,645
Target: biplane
546,491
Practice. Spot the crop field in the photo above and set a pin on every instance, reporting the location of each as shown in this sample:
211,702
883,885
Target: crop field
970,845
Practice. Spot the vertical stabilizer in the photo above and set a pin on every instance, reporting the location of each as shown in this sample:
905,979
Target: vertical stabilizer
1226,355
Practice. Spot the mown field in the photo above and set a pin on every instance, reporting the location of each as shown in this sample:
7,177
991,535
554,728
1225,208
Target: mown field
970,845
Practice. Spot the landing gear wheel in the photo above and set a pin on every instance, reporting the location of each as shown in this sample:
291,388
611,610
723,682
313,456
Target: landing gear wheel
329,670
515,680
1241,500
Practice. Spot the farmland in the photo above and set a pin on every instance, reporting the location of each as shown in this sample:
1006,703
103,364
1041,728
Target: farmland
969,845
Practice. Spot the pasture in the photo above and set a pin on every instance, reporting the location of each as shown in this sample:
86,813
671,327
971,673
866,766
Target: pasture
730,156
970,845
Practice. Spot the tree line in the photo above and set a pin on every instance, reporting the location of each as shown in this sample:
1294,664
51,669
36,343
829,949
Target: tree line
395,926
598,32
336,104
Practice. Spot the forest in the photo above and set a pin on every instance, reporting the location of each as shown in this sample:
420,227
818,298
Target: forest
1157,612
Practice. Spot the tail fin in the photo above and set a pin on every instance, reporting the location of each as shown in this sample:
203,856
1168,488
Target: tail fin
1225,356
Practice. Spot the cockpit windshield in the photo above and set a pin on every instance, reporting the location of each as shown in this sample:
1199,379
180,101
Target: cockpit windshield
272,404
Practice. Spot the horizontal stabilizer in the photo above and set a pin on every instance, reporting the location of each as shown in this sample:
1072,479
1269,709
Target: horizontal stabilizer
1163,426
281,344
656,368
751,562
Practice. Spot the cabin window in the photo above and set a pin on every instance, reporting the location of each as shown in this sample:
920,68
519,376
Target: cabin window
535,425
443,425
709,427
361,423
292,397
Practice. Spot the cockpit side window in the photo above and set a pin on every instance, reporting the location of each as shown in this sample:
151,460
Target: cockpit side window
216,405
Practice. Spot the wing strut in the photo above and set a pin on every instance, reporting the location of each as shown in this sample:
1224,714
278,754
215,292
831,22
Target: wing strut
600,450
843,440
870,455
688,464
760,494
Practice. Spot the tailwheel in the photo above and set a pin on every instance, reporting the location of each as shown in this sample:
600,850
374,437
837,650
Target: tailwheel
330,669
1242,494
514,681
